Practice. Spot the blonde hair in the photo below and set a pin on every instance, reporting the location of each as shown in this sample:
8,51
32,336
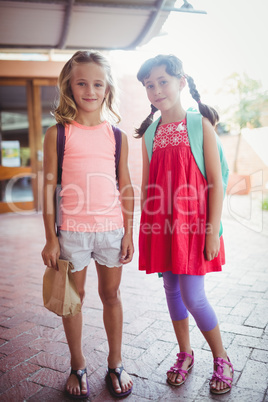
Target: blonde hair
66,110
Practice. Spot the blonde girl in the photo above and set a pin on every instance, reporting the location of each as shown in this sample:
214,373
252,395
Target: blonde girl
94,221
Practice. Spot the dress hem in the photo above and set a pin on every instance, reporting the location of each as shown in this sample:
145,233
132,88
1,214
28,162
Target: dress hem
219,269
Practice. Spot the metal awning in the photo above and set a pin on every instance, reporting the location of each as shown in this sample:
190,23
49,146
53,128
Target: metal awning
82,24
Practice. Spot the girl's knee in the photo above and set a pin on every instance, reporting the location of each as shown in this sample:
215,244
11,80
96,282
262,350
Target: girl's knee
194,302
82,294
80,282
110,297
191,302
193,292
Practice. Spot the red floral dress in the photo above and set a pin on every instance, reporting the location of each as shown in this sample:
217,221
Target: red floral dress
174,217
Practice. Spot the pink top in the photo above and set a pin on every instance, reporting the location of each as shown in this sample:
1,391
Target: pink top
90,199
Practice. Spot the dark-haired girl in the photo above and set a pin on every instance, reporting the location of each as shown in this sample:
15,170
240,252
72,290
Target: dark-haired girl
184,179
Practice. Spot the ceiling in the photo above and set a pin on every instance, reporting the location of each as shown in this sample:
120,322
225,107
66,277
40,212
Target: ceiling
82,24
67,25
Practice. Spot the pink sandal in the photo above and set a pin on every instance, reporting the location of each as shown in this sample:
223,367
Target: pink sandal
177,368
218,376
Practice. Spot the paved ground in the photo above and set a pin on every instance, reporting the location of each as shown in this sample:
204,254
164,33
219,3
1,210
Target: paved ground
34,362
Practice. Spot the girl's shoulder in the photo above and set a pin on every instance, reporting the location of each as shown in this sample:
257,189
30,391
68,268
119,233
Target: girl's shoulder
208,129
123,133
206,123
50,141
51,137
51,131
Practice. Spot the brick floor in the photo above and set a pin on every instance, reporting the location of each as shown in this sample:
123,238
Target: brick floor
34,359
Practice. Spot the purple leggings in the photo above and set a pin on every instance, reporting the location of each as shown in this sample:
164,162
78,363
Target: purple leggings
186,292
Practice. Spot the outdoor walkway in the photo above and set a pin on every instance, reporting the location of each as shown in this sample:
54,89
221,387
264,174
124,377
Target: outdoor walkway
34,359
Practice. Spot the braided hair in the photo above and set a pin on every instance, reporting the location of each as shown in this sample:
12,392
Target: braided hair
207,111
146,123
174,68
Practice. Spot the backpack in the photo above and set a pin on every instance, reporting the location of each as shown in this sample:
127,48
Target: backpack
60,152
195,134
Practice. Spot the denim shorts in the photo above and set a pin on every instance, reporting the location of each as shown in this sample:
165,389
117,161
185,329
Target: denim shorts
80,247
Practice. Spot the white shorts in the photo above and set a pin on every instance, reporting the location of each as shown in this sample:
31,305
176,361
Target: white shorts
103,247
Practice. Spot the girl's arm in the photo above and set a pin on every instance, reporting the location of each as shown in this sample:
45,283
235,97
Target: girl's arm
215,191
51,250
145,173
127,201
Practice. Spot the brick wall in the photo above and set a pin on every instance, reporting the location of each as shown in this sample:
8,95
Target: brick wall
248,162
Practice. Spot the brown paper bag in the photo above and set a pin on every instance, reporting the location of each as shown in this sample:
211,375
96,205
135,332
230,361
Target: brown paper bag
59,291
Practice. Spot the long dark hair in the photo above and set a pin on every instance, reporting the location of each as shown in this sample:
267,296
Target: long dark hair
174,68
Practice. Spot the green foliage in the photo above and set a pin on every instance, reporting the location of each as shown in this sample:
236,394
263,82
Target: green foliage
249,102
25,156
265,204
248,113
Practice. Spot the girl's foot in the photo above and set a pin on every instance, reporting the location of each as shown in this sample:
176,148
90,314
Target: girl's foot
119,381
178,373
222,378
77,384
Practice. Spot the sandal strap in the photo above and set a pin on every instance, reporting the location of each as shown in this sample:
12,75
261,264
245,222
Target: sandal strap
218,377
79,374
218,372
220,363
118,372
181,357
177,368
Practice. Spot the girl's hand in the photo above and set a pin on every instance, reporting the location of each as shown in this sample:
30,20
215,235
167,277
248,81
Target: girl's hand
127,249
212,246
50,253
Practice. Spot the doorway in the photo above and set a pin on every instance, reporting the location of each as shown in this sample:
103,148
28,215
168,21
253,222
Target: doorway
25,115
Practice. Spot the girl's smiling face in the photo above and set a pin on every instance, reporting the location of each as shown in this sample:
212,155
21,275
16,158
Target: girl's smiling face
163,90
89,87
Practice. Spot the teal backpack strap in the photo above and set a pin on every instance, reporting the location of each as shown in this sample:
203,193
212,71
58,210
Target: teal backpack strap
149,137
224,166
195,135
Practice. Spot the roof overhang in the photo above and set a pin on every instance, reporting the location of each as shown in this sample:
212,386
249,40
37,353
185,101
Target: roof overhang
82,24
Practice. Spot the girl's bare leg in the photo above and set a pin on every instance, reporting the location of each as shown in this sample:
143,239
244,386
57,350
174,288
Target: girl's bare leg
73,331
109,281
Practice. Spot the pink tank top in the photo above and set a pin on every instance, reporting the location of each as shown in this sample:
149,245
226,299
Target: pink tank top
90,199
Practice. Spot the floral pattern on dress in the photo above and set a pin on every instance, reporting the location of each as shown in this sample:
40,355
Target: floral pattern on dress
171,134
